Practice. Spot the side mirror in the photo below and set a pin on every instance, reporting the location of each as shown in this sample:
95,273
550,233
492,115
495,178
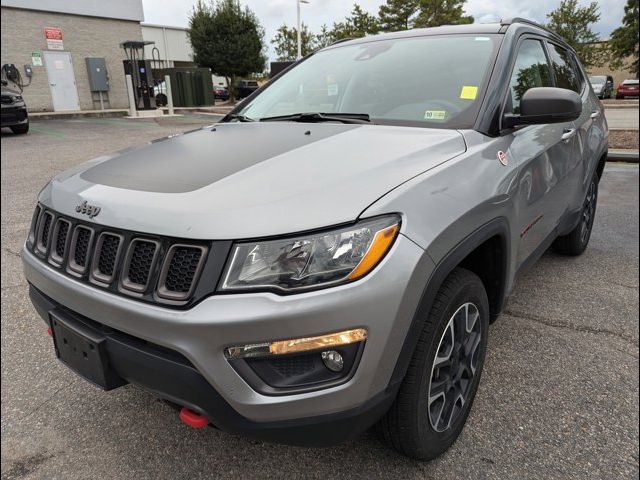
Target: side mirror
542,105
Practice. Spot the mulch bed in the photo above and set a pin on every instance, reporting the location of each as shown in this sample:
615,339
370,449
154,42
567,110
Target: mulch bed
627,139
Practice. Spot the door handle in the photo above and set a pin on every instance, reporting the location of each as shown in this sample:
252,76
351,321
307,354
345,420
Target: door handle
567,133
52,84
595,114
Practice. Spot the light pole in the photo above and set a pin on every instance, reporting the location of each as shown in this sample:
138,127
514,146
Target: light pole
298,2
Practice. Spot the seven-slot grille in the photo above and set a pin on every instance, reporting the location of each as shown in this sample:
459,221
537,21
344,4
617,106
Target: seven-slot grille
158,270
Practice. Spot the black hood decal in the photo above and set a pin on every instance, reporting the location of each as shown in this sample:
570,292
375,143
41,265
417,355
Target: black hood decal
192,161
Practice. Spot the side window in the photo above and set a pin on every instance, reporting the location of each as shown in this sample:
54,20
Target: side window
565,69
530,70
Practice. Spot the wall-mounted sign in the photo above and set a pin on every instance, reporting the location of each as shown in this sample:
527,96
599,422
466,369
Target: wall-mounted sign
36,59
53,36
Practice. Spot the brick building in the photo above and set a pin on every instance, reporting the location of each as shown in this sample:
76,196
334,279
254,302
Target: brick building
55,38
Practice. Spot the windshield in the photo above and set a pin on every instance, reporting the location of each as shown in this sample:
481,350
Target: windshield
435,81
597,80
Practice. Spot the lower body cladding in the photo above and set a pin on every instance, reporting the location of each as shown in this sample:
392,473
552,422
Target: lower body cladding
183,355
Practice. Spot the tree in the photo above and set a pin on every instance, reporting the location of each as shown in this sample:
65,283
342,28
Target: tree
286,42
226,38
395,15
573,23
433,13
359,24
624,40
323,39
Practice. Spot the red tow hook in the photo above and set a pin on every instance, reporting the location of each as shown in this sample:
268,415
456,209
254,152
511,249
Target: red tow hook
193,419
50,332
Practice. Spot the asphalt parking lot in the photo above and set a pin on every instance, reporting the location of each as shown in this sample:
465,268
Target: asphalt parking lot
558,398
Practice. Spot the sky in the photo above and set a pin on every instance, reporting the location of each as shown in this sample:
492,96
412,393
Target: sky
273,13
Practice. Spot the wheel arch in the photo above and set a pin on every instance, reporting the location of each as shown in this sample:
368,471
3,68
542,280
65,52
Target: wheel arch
485,252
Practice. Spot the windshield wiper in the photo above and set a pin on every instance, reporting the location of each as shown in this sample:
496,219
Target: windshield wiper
240,118
320,117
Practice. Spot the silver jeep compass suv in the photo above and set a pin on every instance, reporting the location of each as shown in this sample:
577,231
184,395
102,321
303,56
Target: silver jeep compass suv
331,254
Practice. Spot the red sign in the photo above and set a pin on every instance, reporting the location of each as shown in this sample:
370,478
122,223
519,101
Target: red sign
53,34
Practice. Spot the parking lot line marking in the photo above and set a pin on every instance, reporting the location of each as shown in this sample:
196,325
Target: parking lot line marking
50,133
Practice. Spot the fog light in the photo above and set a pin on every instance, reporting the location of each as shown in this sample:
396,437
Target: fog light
332,360
297,345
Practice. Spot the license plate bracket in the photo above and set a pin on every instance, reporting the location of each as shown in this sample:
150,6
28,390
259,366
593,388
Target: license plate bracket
83,350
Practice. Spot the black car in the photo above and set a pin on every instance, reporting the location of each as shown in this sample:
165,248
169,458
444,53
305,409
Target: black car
14,110
244,88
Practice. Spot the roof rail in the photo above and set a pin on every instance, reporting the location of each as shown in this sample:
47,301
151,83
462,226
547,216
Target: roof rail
341,41
509,21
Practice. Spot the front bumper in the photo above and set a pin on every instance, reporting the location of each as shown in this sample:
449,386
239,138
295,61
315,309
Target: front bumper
383,302
14,115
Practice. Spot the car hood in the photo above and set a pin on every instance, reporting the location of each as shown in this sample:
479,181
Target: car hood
242,180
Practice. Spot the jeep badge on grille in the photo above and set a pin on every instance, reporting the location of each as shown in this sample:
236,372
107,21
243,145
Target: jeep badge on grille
86,209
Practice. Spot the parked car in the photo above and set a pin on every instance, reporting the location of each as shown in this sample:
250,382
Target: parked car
14,110
220,92
602,85
628,88
339,263
244,88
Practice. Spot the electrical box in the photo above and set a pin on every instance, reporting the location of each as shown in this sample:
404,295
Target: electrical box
190,86
97,71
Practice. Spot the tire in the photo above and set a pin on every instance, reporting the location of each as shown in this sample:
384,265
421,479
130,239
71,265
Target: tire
20,129
410,426
161,100
576,241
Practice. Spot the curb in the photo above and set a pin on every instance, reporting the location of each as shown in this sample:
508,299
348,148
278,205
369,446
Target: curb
80,114
630,156
613,106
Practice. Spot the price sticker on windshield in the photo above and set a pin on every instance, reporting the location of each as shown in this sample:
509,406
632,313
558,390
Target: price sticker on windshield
435,115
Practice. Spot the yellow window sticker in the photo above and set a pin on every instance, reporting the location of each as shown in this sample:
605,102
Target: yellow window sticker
435,115
469,92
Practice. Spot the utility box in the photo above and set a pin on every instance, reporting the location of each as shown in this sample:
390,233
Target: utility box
97,71
190,87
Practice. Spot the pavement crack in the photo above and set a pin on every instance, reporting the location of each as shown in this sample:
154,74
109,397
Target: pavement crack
623,285
23,467
574,327
11,252
43,403
6,287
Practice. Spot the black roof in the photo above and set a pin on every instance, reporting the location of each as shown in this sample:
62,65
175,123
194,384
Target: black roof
473,28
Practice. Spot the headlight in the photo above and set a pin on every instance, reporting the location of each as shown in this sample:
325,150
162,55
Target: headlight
313,260
17,98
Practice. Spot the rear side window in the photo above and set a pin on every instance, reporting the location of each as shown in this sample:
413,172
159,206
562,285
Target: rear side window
530,70
565,69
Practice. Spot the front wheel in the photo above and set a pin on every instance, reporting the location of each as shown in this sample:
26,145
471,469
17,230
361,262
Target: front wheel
443,376
576,241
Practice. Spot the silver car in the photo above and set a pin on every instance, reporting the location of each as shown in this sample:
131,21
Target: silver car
331,254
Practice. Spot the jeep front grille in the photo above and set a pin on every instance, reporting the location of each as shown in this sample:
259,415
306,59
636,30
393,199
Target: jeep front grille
106,256
59,241
180,269
140,261
154,269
